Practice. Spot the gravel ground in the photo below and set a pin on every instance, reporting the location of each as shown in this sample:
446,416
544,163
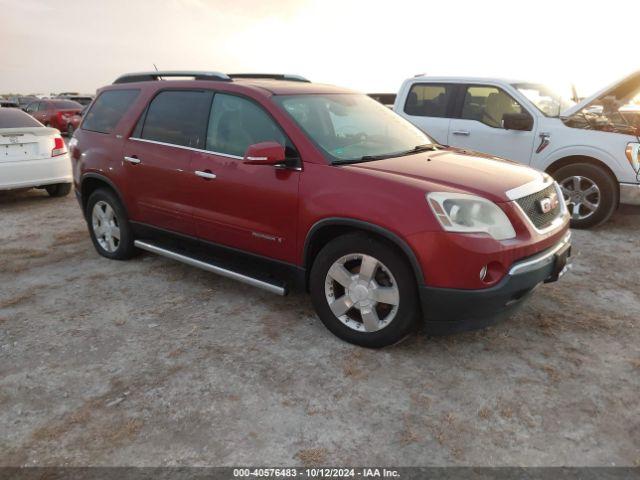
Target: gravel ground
150,362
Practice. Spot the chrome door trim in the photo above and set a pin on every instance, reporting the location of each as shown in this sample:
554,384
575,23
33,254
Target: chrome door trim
237,157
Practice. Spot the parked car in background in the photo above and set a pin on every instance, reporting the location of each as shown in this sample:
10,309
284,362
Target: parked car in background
591,148
74,121
54,113
387,99
83,100
282,183
32,155
8,103
23,101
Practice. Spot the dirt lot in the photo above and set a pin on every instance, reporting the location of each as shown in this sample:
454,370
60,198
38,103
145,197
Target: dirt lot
150,362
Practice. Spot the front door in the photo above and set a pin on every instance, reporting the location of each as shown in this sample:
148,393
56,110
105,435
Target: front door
157,159
479,126
253,208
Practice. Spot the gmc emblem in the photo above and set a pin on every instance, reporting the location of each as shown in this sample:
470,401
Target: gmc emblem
547,204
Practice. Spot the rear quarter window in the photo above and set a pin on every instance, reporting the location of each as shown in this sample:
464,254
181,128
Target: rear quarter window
108,109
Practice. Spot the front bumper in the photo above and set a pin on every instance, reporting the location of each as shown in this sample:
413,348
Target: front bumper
630,194
449,310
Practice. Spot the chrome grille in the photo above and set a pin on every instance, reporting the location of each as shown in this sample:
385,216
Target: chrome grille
531,207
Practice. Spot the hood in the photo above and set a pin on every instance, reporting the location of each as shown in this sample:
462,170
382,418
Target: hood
620,89
458,170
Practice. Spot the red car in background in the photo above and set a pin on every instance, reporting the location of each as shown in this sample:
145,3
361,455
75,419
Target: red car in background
55,113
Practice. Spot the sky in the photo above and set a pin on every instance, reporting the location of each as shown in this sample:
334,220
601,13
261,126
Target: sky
372,46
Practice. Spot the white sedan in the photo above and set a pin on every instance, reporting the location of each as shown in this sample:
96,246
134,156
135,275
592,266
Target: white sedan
32,155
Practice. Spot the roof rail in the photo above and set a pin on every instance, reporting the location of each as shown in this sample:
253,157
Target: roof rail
271,76
159,75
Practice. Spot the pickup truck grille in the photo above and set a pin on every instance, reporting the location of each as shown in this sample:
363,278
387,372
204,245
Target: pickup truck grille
531,207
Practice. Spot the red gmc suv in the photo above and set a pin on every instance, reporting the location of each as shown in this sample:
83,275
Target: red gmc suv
285,184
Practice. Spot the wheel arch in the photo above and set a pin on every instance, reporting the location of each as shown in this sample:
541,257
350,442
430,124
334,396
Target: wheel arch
327,229
572,159
91,182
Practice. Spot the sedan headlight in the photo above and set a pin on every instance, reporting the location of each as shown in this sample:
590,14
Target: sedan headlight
459,212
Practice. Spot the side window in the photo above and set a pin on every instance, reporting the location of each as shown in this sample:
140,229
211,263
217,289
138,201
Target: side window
32,107
108,109
428,100
488,104
236,123
178,117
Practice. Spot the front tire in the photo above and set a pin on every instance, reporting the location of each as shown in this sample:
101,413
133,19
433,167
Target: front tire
590,192
364,291
109,227
58,190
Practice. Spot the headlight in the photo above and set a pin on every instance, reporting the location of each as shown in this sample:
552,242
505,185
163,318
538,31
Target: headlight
459,212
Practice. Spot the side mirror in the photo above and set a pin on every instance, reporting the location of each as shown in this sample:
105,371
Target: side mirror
517,121
265,153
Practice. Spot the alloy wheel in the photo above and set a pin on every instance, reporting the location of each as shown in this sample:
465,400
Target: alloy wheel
362,292
105,226
581,195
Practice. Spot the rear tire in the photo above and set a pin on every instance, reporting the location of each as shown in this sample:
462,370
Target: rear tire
364,291
58,190
109,226
590,192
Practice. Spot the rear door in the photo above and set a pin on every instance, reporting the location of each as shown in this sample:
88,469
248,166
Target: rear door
478,125
429,107
249,207
157,159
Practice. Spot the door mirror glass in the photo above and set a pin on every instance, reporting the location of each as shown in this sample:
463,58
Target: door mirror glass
517,121
265,153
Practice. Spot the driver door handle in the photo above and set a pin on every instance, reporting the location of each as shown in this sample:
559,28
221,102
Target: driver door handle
205,174
466,133
134,160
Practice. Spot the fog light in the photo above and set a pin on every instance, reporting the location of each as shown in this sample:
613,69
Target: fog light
483,273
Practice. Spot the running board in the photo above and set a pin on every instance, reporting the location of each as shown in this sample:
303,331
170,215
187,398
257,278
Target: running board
210,267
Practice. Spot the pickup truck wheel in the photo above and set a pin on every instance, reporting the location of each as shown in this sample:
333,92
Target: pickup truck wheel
58,189
590,193
364,291
108,225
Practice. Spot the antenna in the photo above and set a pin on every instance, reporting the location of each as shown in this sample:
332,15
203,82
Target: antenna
154,66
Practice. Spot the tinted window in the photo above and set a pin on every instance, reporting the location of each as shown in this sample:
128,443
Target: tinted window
428,100
236,123
108,109
65,104
178,117
32,107
13,118
488,105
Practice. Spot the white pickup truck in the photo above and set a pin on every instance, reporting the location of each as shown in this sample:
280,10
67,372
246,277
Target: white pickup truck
591,148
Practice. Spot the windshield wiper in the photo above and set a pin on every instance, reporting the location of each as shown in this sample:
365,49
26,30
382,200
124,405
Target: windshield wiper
369,158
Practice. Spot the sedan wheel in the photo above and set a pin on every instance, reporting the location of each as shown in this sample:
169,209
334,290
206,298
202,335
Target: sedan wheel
105,226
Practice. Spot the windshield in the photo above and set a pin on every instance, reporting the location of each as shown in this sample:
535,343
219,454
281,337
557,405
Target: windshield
352,127
546,100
